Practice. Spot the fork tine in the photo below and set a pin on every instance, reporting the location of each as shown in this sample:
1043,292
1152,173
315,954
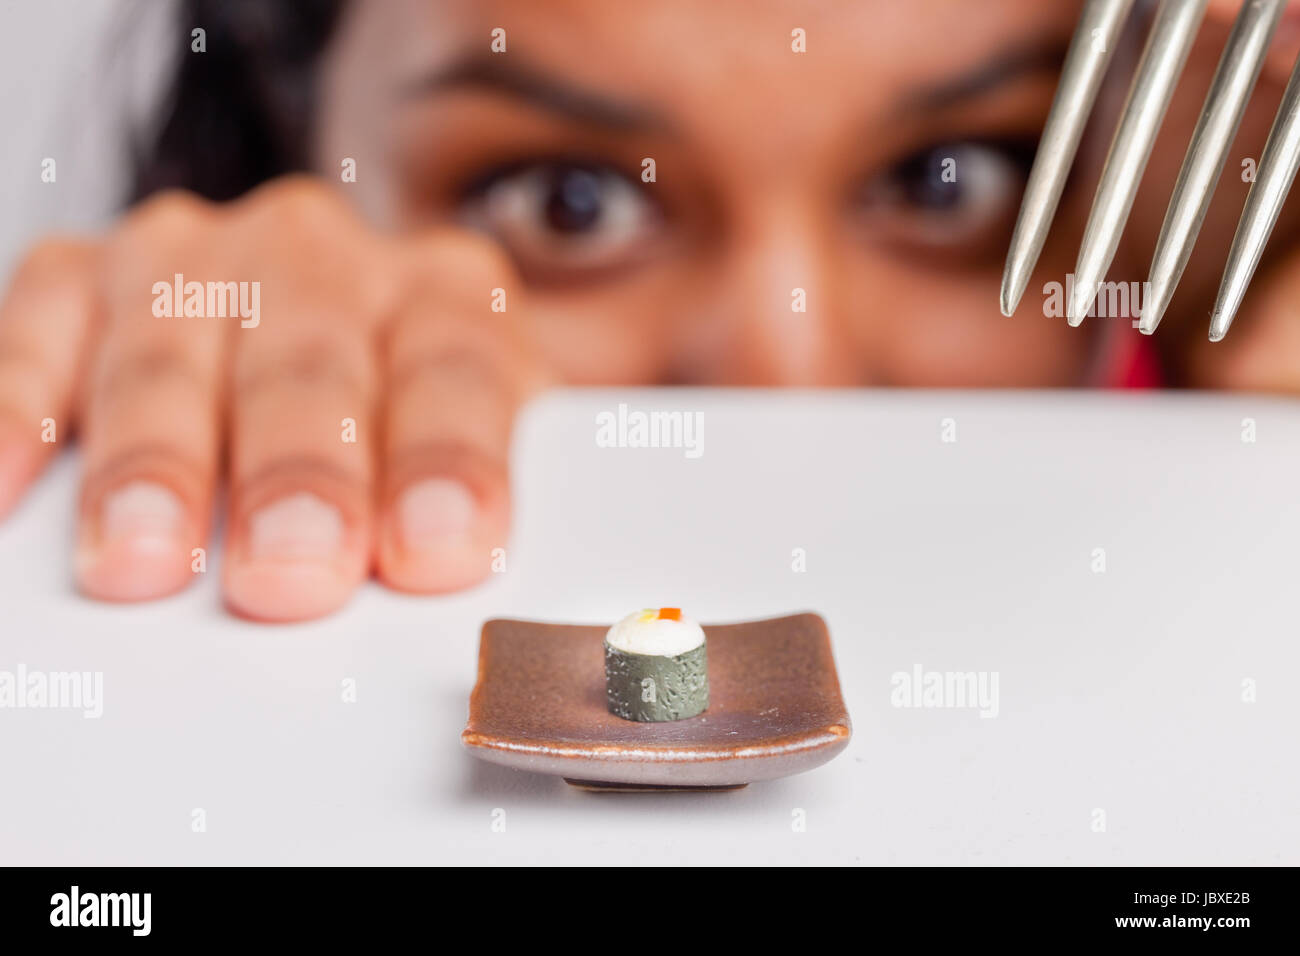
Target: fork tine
1273,180
1234,81
1081,77
1167,49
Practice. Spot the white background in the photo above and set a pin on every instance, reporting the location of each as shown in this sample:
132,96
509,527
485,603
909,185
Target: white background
1120,691
77,80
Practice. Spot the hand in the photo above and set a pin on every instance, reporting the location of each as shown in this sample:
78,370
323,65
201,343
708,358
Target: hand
359,404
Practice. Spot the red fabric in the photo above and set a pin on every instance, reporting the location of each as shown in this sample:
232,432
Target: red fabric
1134,362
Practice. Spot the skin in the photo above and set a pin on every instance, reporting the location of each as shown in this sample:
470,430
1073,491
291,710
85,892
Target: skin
774,171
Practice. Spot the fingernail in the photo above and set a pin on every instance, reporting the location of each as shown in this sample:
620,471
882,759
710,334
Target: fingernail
433,510
297,561
143,515
137,547
293,528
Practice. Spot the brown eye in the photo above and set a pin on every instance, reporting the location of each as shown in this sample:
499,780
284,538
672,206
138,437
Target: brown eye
950,197
562,219
574,200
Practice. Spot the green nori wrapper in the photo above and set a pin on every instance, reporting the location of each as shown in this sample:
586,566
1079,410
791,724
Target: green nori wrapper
648,687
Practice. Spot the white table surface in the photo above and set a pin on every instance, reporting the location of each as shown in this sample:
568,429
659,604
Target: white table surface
1120,691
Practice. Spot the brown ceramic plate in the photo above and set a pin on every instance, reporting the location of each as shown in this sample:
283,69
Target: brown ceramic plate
774,708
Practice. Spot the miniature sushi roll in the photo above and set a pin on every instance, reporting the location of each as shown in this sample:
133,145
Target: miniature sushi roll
655,666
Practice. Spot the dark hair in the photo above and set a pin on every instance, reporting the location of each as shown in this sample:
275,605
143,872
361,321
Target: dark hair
242,111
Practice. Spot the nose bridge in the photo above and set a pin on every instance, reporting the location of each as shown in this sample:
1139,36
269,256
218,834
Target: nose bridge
770,309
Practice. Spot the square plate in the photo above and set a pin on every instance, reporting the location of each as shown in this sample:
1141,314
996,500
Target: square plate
774,708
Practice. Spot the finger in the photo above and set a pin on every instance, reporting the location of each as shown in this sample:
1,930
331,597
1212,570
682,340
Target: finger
151,419
45,322
302,404
302,449
454,375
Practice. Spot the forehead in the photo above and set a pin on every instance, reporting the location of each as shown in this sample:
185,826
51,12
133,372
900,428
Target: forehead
719,57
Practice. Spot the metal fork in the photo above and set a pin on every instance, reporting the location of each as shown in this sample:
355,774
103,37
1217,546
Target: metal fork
1168,45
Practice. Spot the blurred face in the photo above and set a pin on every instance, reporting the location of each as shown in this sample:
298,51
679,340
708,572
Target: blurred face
674,181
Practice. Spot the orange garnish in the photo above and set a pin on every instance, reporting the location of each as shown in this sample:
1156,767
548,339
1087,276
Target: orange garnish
670,614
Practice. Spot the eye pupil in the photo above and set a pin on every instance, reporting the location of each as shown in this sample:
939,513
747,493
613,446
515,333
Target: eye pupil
925,184
573,201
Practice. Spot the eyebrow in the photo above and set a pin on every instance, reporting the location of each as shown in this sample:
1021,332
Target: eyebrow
1008,65
533,86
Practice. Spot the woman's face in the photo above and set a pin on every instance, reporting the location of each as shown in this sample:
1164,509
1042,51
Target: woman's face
875,176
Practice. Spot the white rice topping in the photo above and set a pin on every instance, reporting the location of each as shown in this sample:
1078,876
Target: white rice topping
644,632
